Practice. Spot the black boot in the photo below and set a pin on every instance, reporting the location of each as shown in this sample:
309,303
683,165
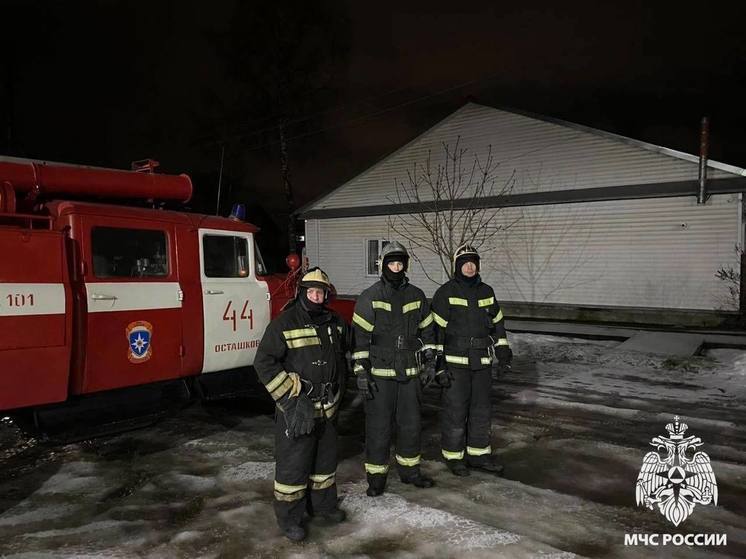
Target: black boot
376,485
295,533
419,480
333,517
458,468
487,466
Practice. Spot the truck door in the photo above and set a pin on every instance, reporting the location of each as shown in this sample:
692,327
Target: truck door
134,322
235,303
35,318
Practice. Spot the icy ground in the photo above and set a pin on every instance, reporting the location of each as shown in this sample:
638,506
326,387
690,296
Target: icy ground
571,424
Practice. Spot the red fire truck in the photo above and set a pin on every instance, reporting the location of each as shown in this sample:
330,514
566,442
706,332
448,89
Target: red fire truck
109,311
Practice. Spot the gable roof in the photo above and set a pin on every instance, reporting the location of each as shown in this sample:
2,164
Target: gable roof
578,158
711,163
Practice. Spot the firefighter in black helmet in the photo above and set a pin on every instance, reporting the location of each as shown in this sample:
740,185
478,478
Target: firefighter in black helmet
301,361
394,345
471,332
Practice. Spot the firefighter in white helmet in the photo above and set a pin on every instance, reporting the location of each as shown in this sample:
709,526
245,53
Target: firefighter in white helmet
394,345
301,361
471,333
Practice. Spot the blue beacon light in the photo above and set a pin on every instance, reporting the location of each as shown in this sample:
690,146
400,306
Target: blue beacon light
238,212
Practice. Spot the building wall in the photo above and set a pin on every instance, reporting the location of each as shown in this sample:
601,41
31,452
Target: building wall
634,253
532,155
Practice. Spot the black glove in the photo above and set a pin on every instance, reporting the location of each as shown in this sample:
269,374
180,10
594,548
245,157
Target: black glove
504,355
504,358
300,420
365,383
364,363
427,375
443,378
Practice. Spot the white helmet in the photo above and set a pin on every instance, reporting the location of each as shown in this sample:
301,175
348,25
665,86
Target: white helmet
464,252
315,277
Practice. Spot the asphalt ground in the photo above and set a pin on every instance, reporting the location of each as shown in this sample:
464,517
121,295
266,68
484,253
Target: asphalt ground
571,423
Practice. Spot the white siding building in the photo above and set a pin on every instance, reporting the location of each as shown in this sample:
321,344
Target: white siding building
598,220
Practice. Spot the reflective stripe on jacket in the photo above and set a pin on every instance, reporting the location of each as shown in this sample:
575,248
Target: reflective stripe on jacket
294,343
468,319
384,314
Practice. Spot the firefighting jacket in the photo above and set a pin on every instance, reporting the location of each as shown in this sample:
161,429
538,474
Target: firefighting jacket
391,326
314,348
469,323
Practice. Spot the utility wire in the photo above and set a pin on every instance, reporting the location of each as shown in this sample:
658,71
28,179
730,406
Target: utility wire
303,118
353,121
362,118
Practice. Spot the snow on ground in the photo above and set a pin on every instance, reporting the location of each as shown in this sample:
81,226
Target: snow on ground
571,423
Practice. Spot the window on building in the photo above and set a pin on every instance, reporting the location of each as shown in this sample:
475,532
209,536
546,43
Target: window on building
129,253
373,249
225,256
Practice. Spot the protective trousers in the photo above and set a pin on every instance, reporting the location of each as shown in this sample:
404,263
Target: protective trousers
307,463
465,419
395,403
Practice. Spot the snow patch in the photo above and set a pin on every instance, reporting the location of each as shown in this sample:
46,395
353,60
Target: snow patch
539,339
249,471
597,408
240,515
67,552
14,516
693,421
222,454
99,527
186,537
389,510
190,482
732,360
75,477
560,350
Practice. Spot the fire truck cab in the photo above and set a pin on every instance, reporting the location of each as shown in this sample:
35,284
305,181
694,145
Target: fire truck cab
97,298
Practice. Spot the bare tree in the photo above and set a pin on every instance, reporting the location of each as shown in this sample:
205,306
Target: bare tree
546,252
282,58
539,261
446,203
730,275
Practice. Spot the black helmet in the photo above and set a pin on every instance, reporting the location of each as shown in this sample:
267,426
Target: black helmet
394,252
394,248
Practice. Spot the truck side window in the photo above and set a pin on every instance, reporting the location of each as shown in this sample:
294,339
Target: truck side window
261,269
129,253
225,256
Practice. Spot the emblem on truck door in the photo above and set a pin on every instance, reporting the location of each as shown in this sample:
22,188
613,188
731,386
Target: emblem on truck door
139,337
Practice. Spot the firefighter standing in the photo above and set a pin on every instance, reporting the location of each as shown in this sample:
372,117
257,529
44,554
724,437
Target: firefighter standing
471,331
301,361
394,339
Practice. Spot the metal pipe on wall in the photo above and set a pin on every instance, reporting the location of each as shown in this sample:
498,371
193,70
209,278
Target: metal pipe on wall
703,149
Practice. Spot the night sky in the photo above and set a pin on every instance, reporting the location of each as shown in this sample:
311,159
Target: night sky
107,82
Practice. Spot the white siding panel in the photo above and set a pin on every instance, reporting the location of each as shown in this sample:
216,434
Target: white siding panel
540,155
637,253
342,254
312,241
